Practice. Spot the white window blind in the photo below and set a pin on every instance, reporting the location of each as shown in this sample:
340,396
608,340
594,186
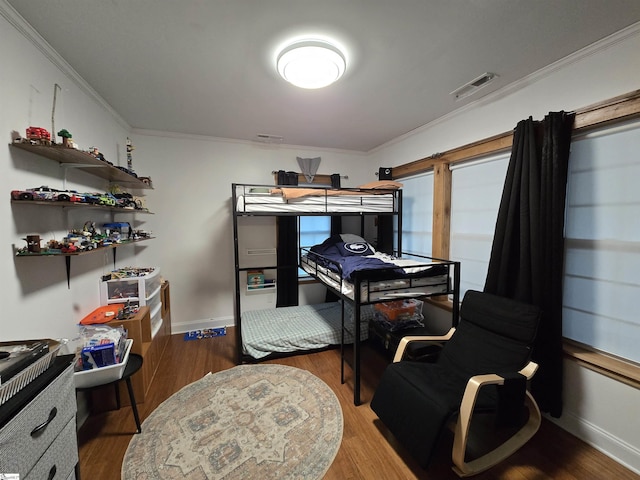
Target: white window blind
476,189
417,214
602,246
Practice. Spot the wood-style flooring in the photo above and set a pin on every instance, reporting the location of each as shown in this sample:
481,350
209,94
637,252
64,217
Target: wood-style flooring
367,450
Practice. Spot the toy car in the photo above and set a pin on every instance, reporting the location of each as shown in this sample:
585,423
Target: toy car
125,200
44,193
38,136
88,198
68,196
126,170
107,199
21,195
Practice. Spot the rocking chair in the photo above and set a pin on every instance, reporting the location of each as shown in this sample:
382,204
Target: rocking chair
484,366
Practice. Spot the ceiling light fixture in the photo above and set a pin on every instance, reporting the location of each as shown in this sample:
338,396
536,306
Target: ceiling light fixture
311,63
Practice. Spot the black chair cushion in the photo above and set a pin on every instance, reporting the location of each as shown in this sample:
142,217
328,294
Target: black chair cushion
416,400
501,315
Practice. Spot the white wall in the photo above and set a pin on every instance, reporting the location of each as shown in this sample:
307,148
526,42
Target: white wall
192,178
597,409
34,295
596,73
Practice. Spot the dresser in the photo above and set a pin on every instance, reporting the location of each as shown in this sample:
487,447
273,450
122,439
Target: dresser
38,426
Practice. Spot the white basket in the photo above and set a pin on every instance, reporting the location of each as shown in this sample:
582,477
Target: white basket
103,375
29,374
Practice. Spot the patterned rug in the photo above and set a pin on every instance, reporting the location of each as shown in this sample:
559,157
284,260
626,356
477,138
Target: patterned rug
249,422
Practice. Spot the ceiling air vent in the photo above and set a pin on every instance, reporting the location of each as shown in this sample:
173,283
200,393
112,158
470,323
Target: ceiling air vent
473,86
267,138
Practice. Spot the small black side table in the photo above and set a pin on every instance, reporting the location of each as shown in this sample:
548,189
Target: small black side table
133,365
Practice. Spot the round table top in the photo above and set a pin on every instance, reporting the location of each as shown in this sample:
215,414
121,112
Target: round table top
133,365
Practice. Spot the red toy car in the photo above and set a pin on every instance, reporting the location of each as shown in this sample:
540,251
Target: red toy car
38,135
21,195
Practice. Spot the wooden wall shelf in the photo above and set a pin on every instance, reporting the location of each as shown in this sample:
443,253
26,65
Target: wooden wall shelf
84,161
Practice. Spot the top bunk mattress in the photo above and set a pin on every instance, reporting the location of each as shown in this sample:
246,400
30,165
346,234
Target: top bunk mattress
270,200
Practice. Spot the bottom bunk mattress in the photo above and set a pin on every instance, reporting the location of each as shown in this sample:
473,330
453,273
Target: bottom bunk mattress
299,328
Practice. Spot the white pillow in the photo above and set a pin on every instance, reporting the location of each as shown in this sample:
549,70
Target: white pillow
352,238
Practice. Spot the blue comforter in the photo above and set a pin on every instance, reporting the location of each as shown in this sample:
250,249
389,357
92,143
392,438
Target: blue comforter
351,256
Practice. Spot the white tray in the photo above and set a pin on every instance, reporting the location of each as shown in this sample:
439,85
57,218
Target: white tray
103,375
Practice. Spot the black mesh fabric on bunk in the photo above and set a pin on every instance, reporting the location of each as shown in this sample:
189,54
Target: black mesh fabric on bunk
336,228
385,222
287,251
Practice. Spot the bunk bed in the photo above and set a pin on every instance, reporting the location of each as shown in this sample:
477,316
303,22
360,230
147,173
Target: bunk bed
358,287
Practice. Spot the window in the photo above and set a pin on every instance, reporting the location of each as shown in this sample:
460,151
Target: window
602,246
417,214
476,189
313,230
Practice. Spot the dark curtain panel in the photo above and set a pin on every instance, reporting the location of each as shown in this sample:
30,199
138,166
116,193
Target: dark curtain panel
287,251
336,228
527,255
385,222
336,220
385,234
335,180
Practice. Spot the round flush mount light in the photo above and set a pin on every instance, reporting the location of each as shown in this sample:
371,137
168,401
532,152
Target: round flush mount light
311,63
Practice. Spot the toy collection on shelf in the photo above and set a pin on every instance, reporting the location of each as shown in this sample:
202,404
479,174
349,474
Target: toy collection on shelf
41,136
85,239
89,237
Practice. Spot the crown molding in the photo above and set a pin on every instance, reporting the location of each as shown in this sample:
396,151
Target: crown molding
29,33
594,48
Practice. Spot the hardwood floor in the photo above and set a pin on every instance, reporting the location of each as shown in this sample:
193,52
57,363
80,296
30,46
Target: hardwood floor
367,451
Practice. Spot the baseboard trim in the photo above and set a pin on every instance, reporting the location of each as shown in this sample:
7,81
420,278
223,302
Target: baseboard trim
613,447
184,327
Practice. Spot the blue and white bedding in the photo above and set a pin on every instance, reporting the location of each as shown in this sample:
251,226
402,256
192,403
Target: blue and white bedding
300,328
335,261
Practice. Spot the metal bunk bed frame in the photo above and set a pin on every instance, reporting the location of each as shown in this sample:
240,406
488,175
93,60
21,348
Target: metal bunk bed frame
453,282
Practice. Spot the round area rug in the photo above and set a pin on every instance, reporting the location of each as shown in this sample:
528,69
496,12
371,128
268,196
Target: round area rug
249,422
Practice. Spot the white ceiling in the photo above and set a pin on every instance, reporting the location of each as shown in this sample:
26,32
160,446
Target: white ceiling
206,67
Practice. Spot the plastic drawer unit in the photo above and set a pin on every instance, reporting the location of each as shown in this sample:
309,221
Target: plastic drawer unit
138,290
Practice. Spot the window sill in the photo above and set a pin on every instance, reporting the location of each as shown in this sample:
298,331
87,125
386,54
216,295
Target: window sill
611,366
617,368
306,280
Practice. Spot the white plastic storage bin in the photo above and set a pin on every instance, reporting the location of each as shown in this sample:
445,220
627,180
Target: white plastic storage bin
156,319
140,291
103,375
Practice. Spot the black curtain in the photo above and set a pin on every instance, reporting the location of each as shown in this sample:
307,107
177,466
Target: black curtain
287,251
336,220
385,234
385,222
336,228
527,255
